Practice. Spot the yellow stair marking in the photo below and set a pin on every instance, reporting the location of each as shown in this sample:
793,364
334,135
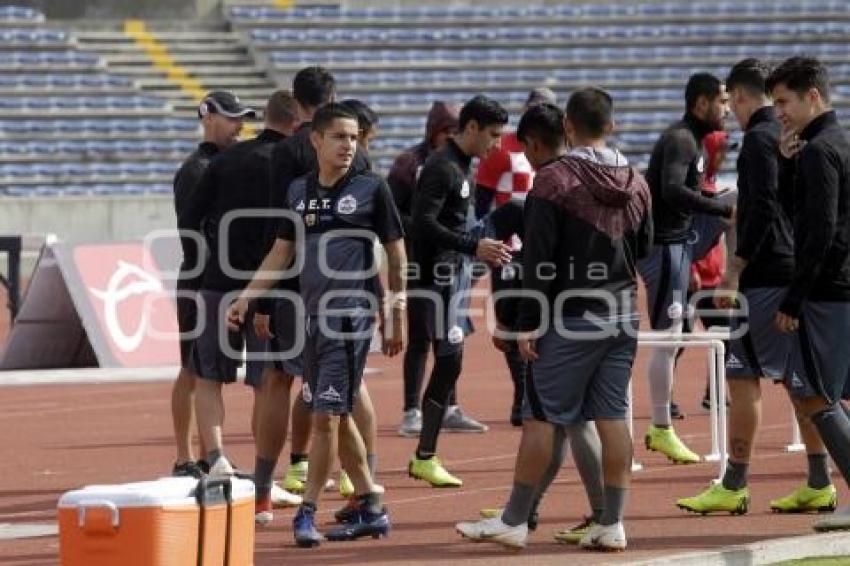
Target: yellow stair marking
158,53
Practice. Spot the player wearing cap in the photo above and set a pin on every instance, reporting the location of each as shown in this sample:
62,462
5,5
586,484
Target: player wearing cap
221,116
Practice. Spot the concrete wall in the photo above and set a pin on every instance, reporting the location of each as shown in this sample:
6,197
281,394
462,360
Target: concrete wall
88,219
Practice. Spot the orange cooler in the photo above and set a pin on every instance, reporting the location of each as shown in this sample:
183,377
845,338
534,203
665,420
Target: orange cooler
168,522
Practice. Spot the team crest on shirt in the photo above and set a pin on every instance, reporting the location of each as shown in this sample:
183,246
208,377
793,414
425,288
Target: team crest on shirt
701,164
300,206
347,205
310,219
464,189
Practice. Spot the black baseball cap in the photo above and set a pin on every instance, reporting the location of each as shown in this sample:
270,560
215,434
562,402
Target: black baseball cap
225,103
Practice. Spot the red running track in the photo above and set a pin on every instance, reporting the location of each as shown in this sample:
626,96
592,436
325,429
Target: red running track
61,437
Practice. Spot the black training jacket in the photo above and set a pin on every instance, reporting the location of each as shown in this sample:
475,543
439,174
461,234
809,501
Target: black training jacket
821,216
674,175
186,195
441,210
236,179
763,224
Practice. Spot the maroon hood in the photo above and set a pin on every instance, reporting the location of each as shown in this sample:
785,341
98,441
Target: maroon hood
442,115
612,185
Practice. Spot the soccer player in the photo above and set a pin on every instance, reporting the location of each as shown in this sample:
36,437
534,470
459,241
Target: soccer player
687,225
339,299
235,181
443,246
367,121
541,132
506,173
815,310
221,115
761,272
404,173
292,158
587,222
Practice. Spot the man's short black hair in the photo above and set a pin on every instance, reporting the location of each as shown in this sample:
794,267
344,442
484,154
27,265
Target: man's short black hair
591,111
366,117
484,110
544,123
313,86
701,84
281,108
750,75
325,116
801,74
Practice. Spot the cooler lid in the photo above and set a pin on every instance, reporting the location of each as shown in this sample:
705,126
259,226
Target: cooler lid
158,493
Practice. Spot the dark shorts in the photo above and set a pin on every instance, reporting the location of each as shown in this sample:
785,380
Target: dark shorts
333,365
210,358
666,271
286,346
820,359
575,380
187,320
762,350
437,314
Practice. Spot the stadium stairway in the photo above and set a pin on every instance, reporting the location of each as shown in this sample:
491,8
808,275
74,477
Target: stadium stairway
211,58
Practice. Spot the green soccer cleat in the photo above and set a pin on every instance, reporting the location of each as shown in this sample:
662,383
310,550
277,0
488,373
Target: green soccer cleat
346,488
433,472
806,499
664,440
574,535
717,499
296,477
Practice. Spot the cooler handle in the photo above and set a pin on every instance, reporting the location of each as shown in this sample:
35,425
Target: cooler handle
204,485
98,504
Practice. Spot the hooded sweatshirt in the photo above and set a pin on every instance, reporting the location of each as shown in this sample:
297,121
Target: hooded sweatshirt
405,169
588,220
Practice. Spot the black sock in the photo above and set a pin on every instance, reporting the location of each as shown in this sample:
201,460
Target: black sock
310,505
615,502
834,429
297,458
423,456
818,471
519,505
415,360
213,456
736,474
452,402
372,502
263,474
443,378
